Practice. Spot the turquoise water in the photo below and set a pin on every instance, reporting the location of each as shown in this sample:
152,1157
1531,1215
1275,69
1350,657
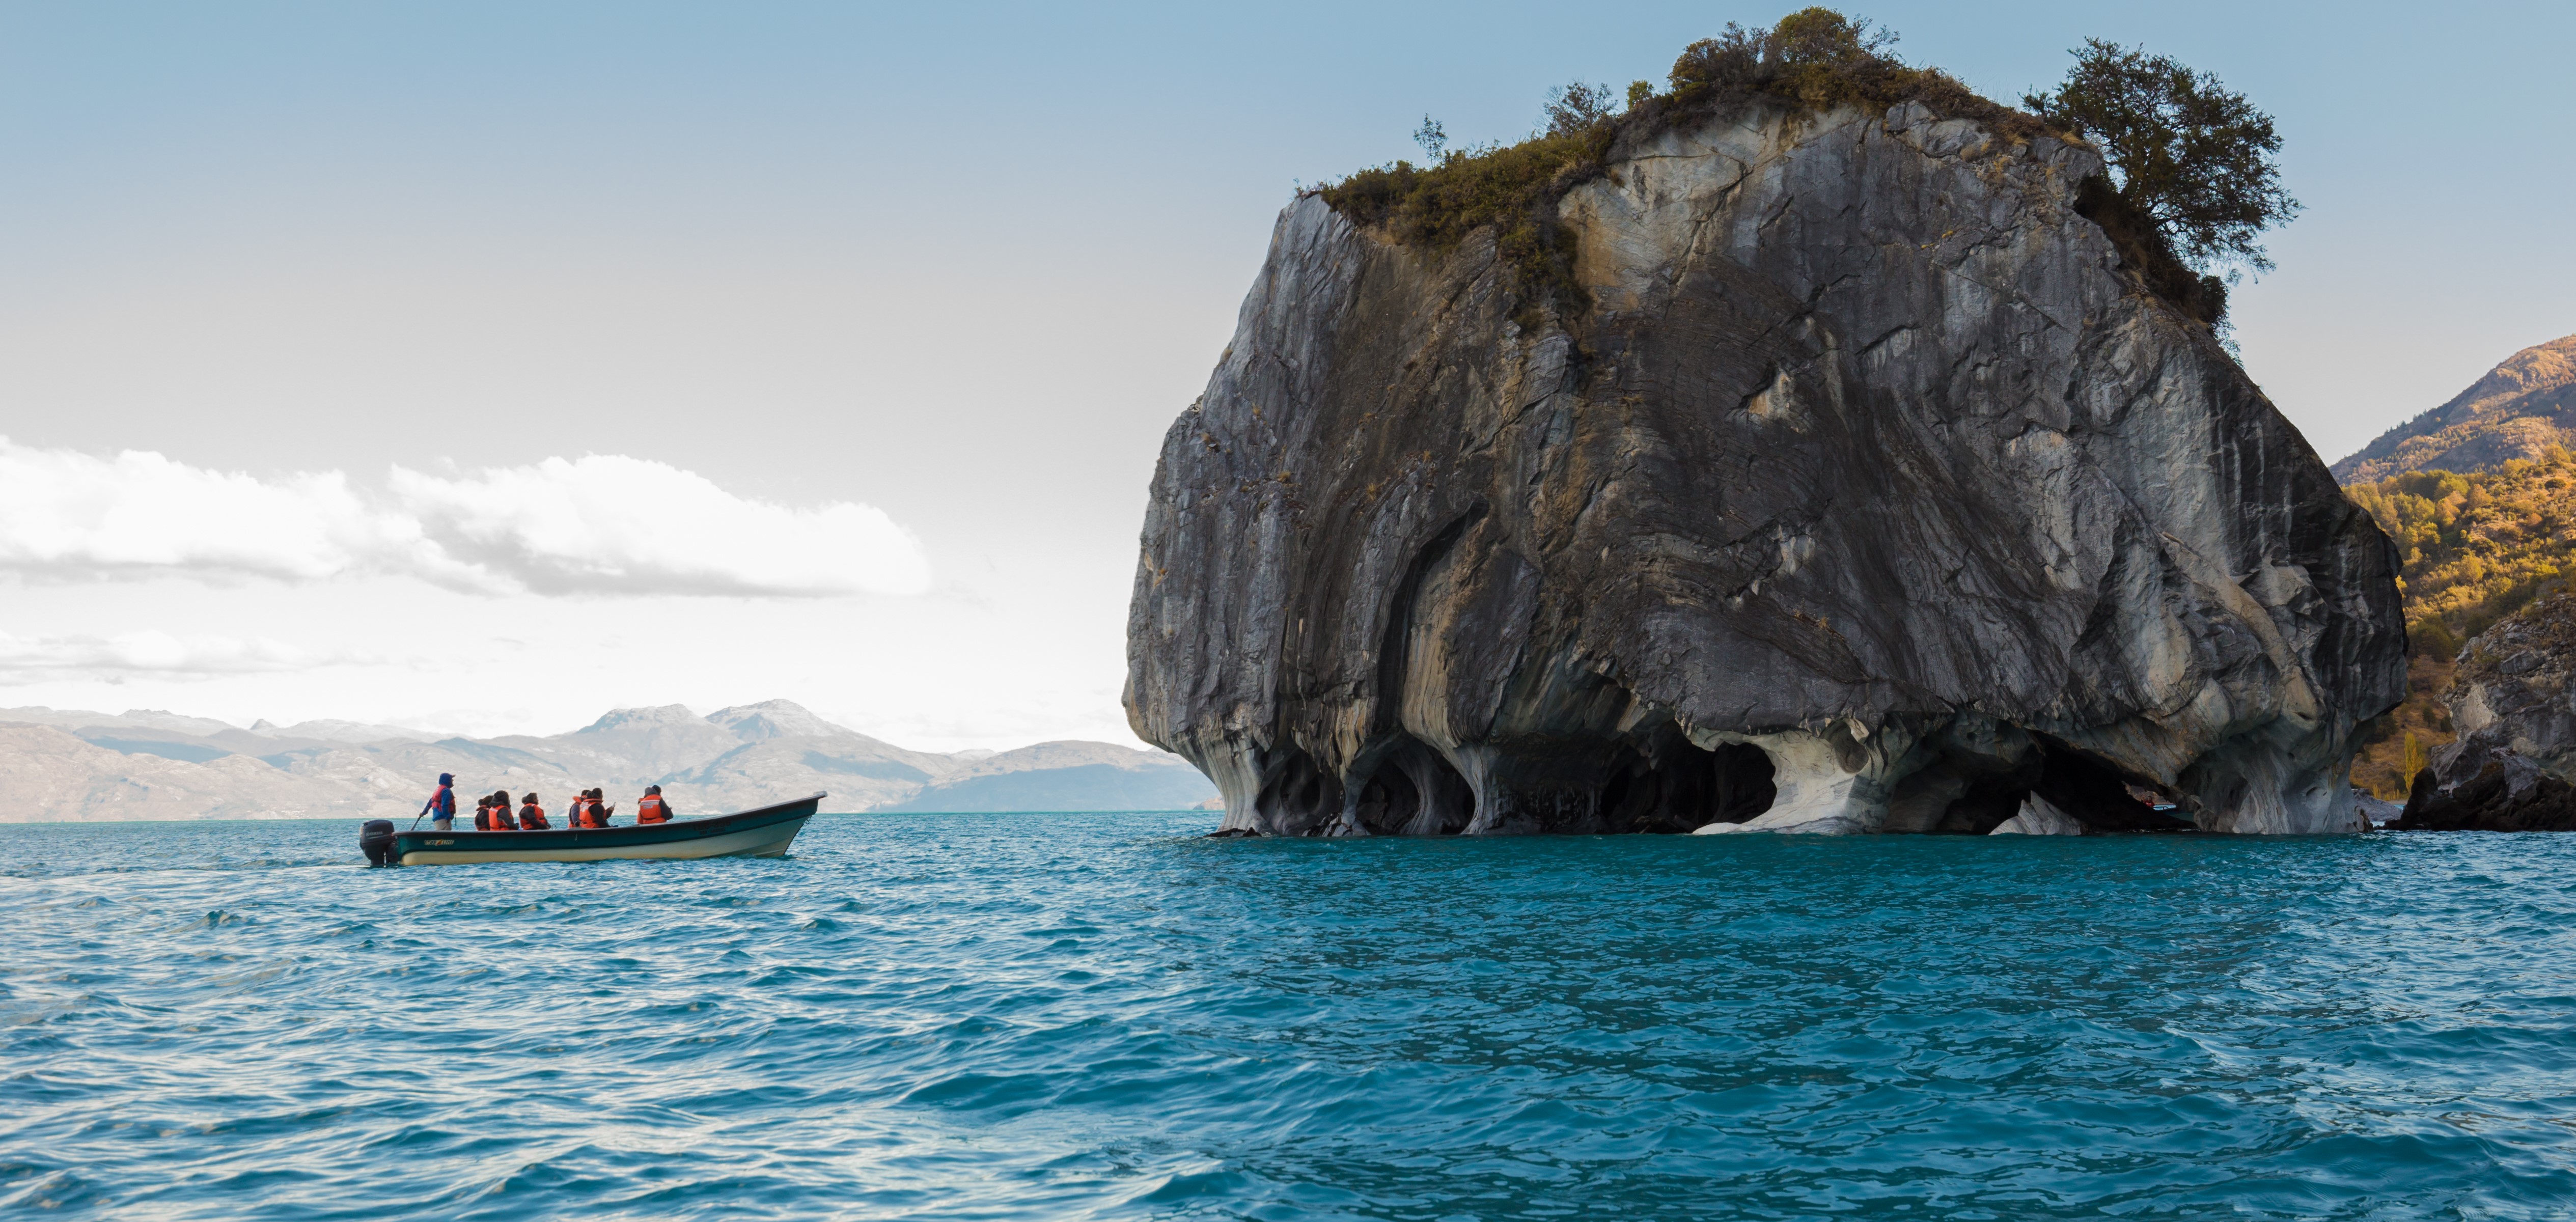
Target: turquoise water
1076,1016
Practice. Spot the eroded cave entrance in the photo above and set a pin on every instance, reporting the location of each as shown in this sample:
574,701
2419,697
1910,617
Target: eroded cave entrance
1297,797
1974,796
1414,792
2100,796
1677,786
1661,782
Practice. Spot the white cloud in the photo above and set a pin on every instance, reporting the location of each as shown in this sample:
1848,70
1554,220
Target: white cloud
29,659
71,514
604,522
619,523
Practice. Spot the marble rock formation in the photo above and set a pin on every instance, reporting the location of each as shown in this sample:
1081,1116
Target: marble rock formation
2509,771
1868,491
2040,817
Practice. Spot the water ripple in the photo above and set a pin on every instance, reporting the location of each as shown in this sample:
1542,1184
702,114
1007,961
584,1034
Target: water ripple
1018,1016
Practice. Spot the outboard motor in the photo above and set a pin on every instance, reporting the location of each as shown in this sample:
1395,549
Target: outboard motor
376,840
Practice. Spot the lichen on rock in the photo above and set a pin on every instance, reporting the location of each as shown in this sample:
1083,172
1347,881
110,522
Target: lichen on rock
1867,490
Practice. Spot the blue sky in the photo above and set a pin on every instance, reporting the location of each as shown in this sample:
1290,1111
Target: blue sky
958,263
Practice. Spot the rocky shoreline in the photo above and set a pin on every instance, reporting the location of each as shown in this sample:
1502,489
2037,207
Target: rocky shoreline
2510,699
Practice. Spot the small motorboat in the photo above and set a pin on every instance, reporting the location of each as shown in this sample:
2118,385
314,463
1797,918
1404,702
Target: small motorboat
765,832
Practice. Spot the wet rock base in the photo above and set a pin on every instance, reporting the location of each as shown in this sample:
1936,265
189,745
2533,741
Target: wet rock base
2507,793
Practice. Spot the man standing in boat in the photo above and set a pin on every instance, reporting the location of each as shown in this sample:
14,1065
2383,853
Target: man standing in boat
441,806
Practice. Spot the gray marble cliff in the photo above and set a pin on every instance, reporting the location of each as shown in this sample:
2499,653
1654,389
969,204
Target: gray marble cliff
1870,493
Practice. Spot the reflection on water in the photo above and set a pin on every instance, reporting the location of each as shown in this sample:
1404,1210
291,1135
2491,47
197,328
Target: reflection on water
1050,1016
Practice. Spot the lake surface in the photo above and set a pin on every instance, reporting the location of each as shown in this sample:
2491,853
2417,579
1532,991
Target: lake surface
1079,1016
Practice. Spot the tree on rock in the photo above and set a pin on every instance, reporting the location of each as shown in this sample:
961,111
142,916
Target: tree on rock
2184,152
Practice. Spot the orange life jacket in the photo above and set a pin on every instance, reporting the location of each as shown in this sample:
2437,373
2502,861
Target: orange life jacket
590,816
502,820
651,810
532,818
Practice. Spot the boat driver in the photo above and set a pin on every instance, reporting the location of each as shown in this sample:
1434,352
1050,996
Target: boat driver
442,805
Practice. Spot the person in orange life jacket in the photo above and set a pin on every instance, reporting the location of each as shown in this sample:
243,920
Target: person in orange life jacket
502,821
573,808
652,809
442,805
532,817
600,810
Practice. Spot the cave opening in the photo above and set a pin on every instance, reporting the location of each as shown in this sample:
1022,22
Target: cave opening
1297,797
1678,786
2091,792
1387,803
1989,799
2098,795
1415,792
1746,783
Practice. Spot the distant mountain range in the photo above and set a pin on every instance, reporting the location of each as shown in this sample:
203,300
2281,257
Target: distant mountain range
2518,410
146,764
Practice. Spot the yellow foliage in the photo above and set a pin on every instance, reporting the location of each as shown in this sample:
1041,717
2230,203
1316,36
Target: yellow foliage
2473,548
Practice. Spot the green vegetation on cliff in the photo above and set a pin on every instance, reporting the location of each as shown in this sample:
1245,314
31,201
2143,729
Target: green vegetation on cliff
1815,59
2191,164
2185,152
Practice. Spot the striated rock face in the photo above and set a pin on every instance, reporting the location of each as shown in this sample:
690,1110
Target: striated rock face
2510,699
2518,410
1869,494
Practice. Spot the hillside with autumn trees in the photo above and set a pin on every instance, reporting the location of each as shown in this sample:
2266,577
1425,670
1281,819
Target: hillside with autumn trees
2475,547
